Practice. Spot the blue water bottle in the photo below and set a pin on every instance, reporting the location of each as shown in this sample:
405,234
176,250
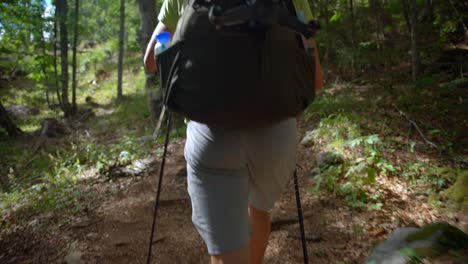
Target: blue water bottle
162,42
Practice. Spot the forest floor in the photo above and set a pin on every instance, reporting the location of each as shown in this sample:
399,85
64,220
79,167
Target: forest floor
114,223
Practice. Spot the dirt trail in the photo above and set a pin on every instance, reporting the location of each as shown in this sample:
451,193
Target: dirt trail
122,227
116,227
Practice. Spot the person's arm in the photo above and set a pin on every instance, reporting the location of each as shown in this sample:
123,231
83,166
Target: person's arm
304,7
319,81
168,17
148,59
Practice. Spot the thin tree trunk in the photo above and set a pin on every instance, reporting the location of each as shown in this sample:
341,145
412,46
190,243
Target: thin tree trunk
6,123
415,56
43,48
429,10
148,21
326,12
121,50
353,35
75,44
376,7
62,13
57,85
406,14
44,71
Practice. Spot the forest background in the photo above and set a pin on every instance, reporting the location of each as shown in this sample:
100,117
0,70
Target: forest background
76,105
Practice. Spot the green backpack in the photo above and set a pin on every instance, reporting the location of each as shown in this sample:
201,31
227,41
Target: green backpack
235,73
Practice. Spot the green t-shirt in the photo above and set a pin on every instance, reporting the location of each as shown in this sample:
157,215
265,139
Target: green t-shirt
171,10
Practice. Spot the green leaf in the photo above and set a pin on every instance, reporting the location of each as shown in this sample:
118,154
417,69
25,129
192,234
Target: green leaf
390,168
318,183
373,139
375,206
371,175
336,17
360,166
337,144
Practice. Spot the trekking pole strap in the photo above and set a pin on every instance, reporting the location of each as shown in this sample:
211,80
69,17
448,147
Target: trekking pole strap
158,192
301,219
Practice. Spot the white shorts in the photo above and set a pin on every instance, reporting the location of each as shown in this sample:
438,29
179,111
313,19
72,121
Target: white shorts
228,170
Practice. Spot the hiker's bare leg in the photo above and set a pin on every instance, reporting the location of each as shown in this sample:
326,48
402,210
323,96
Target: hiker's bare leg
240,256
260,221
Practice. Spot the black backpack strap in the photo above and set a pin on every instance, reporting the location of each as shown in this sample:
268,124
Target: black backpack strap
292,11
289,19
290,6
263,13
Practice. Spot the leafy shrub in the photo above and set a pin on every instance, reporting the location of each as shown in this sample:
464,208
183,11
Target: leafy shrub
363,162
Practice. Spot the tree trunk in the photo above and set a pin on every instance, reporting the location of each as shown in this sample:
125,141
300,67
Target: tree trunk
148,21
57,85
328,43
376,7
62,14
75,43
406,14
428,12
44,55
353,35
415,56
6,123
121,50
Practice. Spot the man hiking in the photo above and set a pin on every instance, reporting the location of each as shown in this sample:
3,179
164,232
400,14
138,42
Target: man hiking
234,176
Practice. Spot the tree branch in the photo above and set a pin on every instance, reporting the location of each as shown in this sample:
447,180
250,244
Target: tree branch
413,123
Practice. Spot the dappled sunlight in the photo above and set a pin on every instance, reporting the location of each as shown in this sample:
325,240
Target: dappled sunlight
383,146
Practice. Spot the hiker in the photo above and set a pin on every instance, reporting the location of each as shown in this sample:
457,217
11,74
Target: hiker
234,176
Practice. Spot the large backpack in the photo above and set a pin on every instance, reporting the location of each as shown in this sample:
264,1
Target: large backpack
239,75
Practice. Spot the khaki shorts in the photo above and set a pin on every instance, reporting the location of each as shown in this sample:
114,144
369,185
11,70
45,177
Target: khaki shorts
230,170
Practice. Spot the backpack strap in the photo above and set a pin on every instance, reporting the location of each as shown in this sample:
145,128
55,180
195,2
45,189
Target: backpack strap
261,14
292,11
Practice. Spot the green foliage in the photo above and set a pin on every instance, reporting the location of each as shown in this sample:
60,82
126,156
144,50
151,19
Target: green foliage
49,179
23,32
100,21
52,189
336,17
371,145
462,82
458,192
375,36
363,163
441,100
336,128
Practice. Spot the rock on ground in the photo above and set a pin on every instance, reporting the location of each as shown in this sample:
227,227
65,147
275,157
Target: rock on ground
21,111
430,241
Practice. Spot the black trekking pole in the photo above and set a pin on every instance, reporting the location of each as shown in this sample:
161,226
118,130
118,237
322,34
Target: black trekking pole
301,219
290,6
158,192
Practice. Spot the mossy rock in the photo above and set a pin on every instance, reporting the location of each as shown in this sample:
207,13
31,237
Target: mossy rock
433,240
326,159
458,193
437,239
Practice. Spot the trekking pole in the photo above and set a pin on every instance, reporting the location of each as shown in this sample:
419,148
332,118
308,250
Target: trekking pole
301,219
158,192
